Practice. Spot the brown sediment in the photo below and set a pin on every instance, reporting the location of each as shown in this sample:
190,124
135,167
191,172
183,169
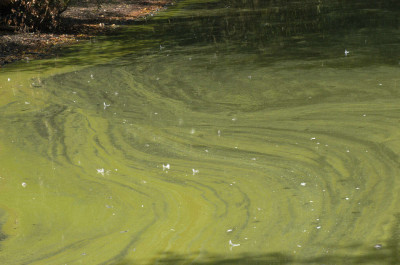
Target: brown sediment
79,22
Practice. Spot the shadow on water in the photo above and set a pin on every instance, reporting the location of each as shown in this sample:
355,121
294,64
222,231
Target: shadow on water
272,30
383,253
2,220
381,257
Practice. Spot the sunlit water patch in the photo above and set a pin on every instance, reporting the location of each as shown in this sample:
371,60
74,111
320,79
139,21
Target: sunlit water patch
206,155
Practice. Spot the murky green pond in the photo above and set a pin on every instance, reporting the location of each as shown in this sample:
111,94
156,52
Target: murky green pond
216,132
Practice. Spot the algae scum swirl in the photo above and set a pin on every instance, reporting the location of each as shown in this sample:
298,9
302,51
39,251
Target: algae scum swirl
227,133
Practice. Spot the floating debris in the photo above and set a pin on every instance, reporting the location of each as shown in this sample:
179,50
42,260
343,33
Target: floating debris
195,171
378,246
100,171
165,167
232,244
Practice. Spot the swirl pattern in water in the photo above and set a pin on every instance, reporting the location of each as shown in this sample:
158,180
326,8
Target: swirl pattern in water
191,157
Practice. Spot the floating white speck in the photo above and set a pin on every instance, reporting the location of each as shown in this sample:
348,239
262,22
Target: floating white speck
348,151
219,132
91,76
100,171
165,167
27,103
195,171
23,184
299,246
347,198
233,119
319,227
142,206
357,188
232,244
312,138
9,79
192,131
229,230
303,184
346,52
106,105
378,246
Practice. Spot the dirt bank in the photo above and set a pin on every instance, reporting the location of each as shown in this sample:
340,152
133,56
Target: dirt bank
78,22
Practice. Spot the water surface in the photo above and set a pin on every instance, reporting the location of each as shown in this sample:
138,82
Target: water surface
216,132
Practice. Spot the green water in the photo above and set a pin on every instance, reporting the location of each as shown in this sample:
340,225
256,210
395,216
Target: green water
213,133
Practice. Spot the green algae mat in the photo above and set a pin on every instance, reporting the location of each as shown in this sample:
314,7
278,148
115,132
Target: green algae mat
216,132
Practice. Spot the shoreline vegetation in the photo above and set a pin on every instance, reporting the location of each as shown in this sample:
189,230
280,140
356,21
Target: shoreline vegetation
79,22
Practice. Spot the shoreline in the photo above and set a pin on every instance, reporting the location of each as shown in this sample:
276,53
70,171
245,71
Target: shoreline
78,23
